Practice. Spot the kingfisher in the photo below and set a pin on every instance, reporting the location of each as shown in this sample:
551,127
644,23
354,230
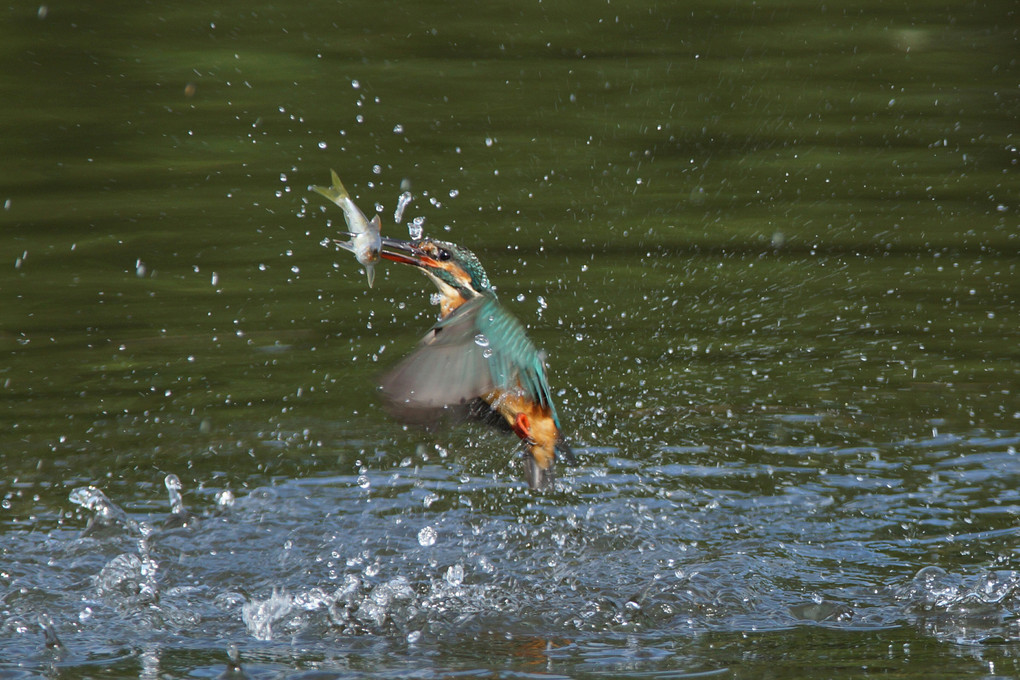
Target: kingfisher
476,361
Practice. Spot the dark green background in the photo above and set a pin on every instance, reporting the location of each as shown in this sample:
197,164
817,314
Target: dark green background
752,226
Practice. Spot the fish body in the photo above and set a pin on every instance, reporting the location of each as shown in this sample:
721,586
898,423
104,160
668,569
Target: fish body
366,239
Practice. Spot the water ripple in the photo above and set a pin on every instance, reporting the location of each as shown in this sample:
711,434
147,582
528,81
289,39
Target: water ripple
690,540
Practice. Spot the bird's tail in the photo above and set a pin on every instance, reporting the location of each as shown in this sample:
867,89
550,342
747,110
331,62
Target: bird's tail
540,477
537,476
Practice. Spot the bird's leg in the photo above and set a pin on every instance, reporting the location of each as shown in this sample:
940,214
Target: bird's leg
522,426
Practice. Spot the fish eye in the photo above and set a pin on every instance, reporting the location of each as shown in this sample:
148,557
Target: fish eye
443,254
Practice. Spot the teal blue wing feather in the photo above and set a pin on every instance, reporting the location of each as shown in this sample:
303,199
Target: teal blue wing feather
476,349
513,358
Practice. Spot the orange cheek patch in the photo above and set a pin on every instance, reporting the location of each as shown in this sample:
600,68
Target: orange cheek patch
460,275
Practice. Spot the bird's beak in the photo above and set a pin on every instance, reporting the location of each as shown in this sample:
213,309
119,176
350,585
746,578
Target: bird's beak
406,252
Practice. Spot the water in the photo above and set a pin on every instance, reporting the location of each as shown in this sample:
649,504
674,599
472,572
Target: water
402,202
770,250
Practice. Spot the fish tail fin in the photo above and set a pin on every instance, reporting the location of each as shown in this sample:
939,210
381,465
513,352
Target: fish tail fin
336,192
338,186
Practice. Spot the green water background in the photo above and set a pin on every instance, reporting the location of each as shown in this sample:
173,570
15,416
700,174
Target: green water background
707,213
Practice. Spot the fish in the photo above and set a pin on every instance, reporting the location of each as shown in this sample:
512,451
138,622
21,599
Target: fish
366,239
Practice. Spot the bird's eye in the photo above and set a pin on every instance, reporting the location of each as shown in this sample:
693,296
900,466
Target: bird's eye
443,254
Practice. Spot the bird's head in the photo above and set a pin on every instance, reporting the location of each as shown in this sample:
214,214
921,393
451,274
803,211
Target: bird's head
456,271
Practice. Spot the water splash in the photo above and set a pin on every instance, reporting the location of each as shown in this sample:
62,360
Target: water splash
415,228
455,575
427,536
49,632
402,202
234,669
105,514
91,498
281,562
128,579
283,614
384,601
173,487
962,609
261,616
225,499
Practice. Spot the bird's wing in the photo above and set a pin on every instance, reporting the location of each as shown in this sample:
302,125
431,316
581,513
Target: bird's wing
447,369
514,362
478,348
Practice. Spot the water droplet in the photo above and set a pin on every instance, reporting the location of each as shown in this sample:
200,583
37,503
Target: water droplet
91,498
398,129
427,537
416,228
489,141
481,340
234,655
49,632
455,575
355,84
402,202
454,193
173,487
